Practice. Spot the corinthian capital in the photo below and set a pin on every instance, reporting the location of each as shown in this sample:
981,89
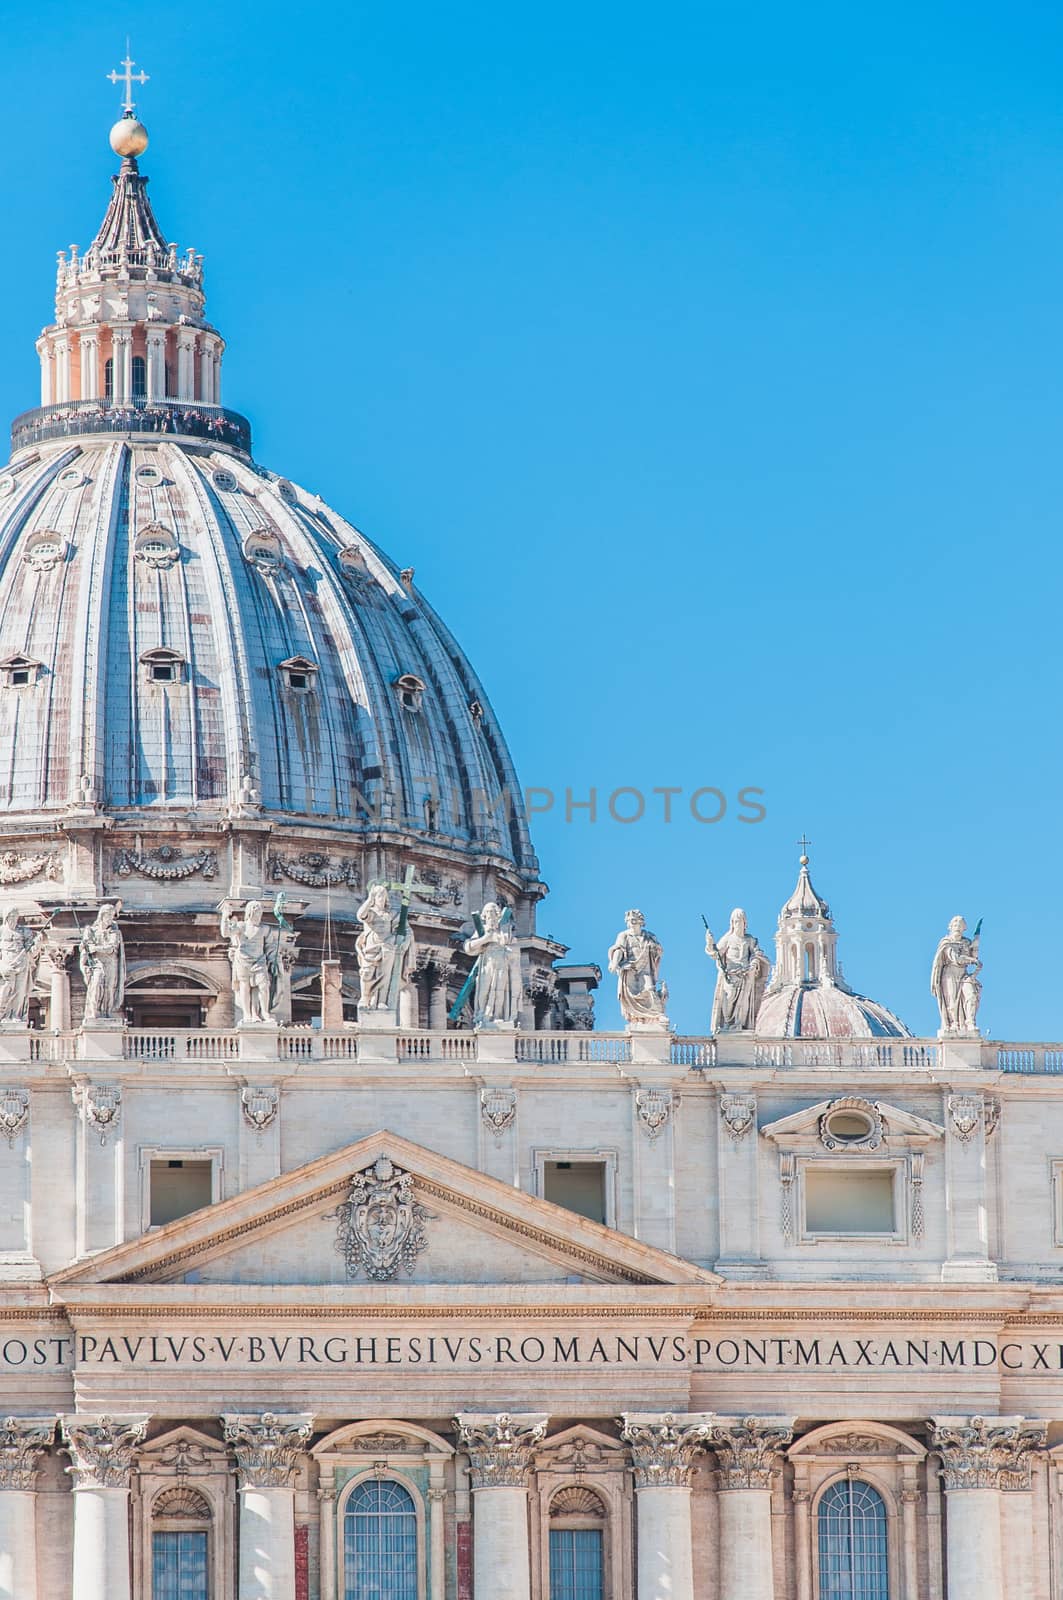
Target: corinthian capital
22,1441
663,1447
500,1445
267,1446
986,1452
746,1447
102,1450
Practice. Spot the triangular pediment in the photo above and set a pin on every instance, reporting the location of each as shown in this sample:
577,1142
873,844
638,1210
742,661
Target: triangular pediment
883,1120
383,1210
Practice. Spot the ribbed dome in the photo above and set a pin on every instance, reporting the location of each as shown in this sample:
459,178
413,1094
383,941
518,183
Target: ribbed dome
175,621
808,997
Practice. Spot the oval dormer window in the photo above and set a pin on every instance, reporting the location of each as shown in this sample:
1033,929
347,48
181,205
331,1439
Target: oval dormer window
263,550
851,1124
410,690
44,550
157,546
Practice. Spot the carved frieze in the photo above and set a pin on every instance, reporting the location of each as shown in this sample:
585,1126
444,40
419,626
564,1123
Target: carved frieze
259,1106
23,1440
856,1444
267,1447
102,1450
498,1108
664,1448
986,1452
655,1108
739,1112
436,890
500,1446
20,866
746,1448
14,1114
314,870
166,863
381,1223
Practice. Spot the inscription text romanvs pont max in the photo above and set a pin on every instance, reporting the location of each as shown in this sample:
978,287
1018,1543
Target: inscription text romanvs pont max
560,1348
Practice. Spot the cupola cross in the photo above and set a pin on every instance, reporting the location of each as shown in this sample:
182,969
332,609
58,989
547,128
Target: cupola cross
804,845
127,78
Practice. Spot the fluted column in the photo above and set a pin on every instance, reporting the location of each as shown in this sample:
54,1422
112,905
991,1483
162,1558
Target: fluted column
745,1449
186,363
90,365
122,364
500,1448
155,364
62,369
663,1449
22,1442
44,350
980,1456
267,1450
102,1455
206,371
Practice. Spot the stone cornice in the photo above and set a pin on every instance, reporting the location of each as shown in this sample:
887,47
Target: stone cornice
267,1446
500,1446
102,1449
746,1448
664,1446
986,1452
22,1442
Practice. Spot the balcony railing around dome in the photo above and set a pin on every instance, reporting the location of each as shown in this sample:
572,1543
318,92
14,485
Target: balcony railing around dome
74,418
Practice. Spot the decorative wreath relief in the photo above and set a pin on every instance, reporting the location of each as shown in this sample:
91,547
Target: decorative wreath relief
381,1225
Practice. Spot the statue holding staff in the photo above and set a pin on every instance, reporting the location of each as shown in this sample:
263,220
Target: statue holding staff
954,979
743,970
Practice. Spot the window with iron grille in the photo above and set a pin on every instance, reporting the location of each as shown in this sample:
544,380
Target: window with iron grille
853,1558
379,1543
576,1565
179,1566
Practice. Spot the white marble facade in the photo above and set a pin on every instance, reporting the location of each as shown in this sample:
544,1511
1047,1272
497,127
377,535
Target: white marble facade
341,1258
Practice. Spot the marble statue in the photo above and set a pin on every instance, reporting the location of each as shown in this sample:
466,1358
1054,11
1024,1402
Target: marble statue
635,957
497,972
385,950
740,980
101,956
20,951
953,979
254,955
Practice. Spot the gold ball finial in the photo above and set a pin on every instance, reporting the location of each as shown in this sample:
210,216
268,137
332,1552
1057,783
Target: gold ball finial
129,137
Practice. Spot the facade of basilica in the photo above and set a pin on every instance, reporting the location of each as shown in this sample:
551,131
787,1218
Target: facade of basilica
342,1257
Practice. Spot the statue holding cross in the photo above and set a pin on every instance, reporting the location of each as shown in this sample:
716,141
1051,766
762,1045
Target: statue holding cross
385,947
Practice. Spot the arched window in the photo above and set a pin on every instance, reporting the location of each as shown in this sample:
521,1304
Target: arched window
577,1554
179,1546
140,377
379,1542
853,1559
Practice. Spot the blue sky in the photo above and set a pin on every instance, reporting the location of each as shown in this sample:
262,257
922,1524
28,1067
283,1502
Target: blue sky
705,363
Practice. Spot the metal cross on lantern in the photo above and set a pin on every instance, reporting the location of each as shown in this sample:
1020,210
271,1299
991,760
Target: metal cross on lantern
128,78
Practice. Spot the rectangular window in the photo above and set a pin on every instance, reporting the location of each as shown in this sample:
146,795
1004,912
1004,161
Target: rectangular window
178,1187
179,1566
576,1564
579,1186
857,1202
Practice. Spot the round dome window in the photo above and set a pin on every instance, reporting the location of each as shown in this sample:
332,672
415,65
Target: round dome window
149,475
72,478
225,481
7,484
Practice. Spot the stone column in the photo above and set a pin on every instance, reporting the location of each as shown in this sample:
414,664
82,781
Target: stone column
102,1454
186,363
60,959
663,1448
44,350
122,366
155,364
62,370
980,1456
22,1441
267,1454
745,1449
500,1449
90,366
803,1543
